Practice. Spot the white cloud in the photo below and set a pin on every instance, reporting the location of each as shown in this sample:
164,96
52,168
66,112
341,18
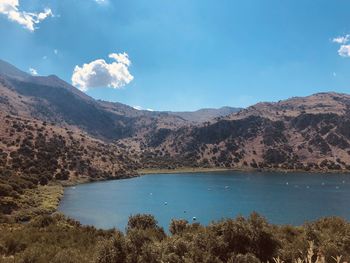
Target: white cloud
101,1
32,71
28,20
121,58
341,39
344,51
99,73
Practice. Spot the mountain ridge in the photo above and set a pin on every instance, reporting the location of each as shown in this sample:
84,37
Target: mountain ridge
54,100
308,133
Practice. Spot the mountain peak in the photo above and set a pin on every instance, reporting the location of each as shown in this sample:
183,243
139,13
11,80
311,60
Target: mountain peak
6,69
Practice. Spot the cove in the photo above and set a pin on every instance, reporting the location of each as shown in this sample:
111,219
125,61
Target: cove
283,198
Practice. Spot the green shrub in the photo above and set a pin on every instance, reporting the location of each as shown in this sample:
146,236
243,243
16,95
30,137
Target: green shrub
112,250
178,226
247,258
5,190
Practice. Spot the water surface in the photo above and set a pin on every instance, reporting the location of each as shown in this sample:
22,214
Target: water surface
283,198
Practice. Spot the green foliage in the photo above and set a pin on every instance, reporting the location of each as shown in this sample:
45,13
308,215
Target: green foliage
177,227
42,155
247,258
112,250
50,239
331,236
5,190
241,240
142,222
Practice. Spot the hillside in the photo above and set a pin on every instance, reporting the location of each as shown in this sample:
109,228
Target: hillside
307,133
52,100
310,133
35,154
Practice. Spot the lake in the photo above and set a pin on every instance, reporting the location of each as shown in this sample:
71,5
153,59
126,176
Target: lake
283,198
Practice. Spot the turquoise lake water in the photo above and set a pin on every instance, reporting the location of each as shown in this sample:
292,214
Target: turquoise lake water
283,198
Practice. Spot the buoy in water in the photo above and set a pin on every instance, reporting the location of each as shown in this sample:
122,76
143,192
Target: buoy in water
194,218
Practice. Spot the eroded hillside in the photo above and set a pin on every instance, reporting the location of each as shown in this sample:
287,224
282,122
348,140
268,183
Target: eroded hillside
35,153
311,133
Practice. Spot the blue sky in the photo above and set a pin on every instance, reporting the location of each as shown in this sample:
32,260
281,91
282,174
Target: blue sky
187,54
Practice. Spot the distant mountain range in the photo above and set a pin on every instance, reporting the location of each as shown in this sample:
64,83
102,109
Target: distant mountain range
310,133
205,115
306,133
52,99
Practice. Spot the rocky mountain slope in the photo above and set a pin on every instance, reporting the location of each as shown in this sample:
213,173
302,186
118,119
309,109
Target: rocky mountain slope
35,153
53,100
310,133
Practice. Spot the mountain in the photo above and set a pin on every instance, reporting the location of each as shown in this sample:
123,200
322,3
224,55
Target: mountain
52,132
329,102
6,69
309,133
53,100
205,115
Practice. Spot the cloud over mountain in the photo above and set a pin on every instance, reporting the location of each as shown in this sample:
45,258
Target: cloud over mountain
33,71
100,73
28,20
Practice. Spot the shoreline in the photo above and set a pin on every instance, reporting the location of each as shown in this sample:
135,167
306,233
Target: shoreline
148,171
184,170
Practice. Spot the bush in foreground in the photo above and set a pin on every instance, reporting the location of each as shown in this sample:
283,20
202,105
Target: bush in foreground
241,240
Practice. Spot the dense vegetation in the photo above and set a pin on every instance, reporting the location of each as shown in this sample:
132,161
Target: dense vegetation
252,240
309,142
34,154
